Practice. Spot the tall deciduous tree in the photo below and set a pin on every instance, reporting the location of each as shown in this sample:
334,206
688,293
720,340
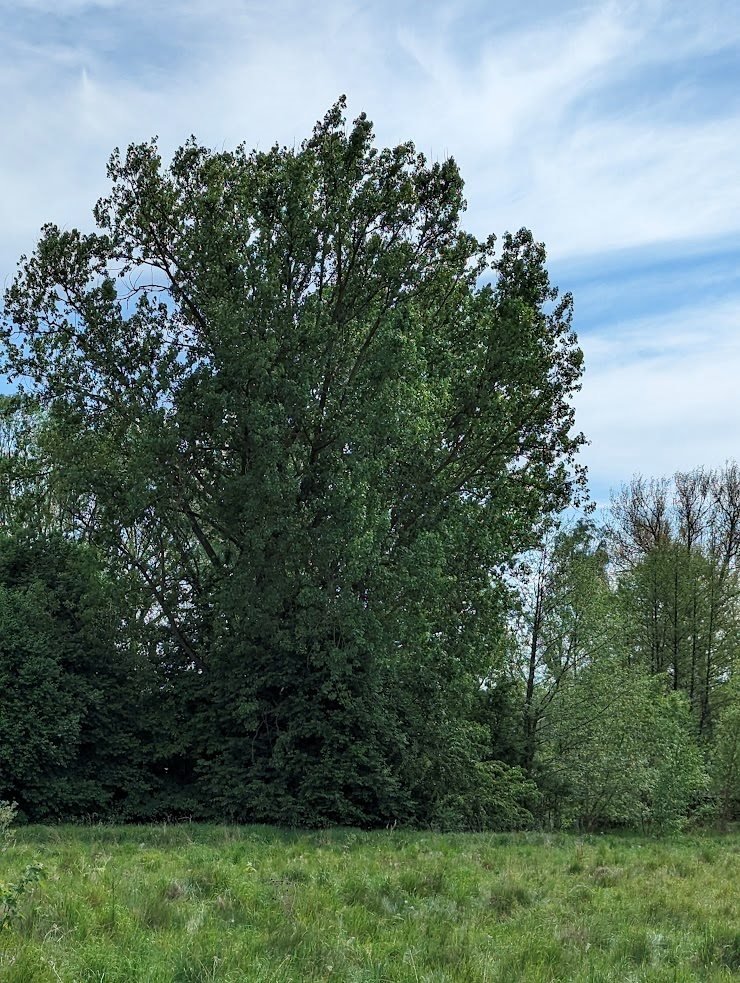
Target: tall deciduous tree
315,416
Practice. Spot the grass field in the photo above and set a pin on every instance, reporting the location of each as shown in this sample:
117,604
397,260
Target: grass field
197,903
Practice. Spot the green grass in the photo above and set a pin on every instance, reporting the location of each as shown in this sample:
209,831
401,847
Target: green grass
179,904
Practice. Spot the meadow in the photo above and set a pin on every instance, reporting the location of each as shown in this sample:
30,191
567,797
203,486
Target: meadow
187,903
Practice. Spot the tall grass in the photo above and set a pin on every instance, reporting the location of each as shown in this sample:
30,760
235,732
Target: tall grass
179,904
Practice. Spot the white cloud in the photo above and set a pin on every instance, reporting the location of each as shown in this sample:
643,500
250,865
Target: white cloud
510,107
661,394
60,8
560,122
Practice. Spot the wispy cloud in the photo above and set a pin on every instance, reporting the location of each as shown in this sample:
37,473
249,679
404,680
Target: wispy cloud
660,394
519,106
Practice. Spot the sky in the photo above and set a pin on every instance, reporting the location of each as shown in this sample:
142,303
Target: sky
611,129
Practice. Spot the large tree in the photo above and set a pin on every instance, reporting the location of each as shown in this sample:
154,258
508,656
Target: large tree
315,416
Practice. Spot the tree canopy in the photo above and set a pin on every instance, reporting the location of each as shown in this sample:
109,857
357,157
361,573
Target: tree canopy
313,417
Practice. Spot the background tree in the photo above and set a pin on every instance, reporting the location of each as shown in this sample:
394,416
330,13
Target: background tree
565,618
676,547
619,750
608,741
725,752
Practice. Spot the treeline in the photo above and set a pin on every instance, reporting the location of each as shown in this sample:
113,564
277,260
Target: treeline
621,700
611,696
279,501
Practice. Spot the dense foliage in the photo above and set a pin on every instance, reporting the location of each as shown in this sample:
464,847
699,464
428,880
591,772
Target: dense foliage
625,659
306,417
285,434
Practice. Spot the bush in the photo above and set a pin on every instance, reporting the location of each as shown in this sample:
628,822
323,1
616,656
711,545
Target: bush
8,812
11,894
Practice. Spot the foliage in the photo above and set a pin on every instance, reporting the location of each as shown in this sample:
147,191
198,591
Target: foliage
314,418
725,758
676,546
618,751
609,741
679,779
567,620
68,689
8,813
488,795
12,894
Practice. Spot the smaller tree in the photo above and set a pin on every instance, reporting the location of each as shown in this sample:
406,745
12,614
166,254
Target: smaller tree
618,750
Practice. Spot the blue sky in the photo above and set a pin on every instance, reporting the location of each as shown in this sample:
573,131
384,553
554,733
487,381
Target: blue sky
611,129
